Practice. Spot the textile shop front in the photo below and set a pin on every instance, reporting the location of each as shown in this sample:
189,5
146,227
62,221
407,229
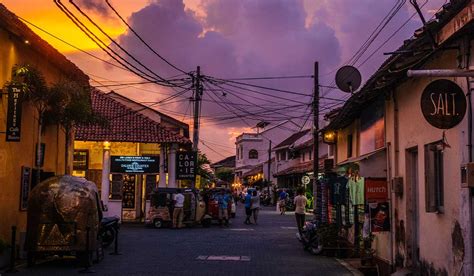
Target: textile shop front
355,197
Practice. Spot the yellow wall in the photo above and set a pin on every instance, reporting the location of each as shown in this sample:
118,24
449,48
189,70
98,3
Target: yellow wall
14,155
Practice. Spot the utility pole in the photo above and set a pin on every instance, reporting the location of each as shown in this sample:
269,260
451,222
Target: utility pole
269,165
317,208
197,102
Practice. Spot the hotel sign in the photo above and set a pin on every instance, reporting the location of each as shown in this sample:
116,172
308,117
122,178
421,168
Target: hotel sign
135,164
186,165
443,104
15,95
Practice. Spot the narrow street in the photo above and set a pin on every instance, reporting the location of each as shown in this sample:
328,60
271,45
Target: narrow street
269,248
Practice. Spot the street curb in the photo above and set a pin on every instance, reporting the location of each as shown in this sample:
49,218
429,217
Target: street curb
351,269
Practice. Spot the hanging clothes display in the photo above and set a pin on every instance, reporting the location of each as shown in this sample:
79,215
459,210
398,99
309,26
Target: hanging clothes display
356,190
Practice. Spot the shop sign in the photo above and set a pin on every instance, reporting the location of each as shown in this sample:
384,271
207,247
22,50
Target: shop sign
443,104
25,187
376,189
40,161
464,17
15,96
135,164
186,165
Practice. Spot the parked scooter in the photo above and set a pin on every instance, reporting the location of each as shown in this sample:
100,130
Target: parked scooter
310,238
108,230
265,200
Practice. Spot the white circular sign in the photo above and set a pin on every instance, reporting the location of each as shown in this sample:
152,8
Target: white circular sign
305,179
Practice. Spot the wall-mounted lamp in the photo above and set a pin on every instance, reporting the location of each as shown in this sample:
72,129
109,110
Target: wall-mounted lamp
27,41
329,137
106,145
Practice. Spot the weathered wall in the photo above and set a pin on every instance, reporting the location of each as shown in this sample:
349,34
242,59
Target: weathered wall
435,230
15,155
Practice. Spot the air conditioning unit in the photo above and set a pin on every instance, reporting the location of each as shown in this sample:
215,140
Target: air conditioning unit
467,175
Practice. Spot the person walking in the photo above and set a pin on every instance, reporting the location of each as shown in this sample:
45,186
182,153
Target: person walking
282,201
255,205
248,205
223,200
178,209
300,207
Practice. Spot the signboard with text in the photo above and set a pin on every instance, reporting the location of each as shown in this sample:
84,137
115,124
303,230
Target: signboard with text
15,95
443,104
135,164
186,165
376,189
25,187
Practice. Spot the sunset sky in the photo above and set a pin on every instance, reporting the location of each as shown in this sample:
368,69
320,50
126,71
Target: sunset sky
229,39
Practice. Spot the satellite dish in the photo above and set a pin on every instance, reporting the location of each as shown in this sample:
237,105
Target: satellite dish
348,78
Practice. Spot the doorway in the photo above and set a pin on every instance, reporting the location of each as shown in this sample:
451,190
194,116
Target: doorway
412,207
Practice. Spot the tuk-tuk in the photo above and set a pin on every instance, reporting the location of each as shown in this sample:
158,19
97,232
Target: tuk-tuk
161,208
64,214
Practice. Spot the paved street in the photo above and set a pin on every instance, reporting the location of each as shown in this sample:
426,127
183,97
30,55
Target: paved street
269,248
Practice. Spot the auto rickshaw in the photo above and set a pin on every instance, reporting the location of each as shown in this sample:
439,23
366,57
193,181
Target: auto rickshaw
161,208
64,214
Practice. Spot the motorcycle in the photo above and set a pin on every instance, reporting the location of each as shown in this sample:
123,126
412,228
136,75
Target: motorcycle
265,200
310,238
108,230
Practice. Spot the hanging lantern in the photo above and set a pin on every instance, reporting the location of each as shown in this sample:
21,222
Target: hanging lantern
329,137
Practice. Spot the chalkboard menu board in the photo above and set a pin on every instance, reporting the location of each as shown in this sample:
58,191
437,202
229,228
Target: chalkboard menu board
116,187
150,185
128,188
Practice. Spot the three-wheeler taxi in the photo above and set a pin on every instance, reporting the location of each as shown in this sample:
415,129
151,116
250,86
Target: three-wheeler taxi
161,209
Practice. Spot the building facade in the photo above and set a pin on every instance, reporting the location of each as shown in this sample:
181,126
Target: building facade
388,133
21,46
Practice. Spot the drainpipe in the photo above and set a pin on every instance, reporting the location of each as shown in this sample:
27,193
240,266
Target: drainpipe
469,97
396,173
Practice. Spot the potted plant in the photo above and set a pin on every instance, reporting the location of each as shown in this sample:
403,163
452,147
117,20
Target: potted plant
4,253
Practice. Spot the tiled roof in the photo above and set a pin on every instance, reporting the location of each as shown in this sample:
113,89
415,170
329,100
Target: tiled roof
300,168
124,125
228,162
292,139
256,170
393,71
11,23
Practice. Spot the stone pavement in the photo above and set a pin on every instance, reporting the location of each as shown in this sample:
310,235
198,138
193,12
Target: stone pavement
269,248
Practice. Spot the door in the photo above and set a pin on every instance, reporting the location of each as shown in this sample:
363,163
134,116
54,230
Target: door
412,207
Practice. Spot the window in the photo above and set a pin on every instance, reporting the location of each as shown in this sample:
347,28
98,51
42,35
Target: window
241,152
434,194
253,154
349,146
283,155
237,155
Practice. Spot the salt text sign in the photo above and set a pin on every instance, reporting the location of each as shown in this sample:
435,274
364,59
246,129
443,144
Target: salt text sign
443,104
186,164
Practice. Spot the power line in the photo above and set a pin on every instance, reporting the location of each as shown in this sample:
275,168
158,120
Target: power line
141,39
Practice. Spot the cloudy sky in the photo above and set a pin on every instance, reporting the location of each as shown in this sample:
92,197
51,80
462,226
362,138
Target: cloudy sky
231,39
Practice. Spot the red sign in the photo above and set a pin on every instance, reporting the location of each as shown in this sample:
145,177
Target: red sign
376,189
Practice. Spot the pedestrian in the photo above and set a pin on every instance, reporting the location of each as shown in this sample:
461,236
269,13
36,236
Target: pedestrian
282,202
178,209
300,206
255,205
223,200
248,205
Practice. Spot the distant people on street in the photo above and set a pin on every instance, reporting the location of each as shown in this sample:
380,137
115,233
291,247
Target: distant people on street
255,205
300,205
283,197
248,205
178,209
223,200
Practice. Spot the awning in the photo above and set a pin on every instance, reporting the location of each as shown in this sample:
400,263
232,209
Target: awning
361,157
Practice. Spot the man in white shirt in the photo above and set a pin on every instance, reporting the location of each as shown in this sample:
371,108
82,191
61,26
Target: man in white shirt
178,209
300,204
